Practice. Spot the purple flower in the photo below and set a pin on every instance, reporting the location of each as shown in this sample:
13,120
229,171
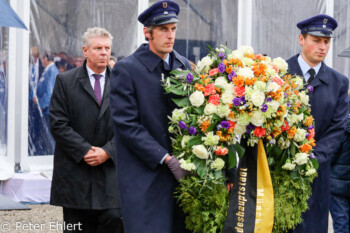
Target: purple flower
189,77
307,135
243,100
268,99
181,77
285,95
288,104
222,55
264,108
231,76
310,88
312,155
182,125
272,142
192,130
310,127
221,67
250,127
237,101
225,124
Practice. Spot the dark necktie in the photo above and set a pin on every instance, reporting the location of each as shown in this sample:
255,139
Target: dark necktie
97,87
166,66
312,75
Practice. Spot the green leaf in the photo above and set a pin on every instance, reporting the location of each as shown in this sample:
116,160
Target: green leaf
177,90
194,141
216,117
315,163
294,175
301,110
240,150
199,110
180,72
218,174
211,127
232,160
184,102
270,161
276,152
202,170
292,149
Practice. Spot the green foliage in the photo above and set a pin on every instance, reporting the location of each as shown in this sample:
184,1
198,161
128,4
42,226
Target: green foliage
204,203
182,102
290,198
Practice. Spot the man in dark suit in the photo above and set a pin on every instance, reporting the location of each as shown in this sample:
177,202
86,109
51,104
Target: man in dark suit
139,109
84,177
329,107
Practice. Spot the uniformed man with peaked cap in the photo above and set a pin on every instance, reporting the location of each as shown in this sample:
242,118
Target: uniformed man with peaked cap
329,106
147,171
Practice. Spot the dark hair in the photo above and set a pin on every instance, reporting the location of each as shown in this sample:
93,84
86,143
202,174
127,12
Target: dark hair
48,56
150,30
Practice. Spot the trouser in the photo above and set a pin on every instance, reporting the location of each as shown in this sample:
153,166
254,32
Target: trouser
92,221
340,211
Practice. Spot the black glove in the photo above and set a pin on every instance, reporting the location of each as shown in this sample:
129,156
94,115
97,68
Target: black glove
175,168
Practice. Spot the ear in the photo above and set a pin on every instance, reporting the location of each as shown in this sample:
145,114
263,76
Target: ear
301,40
146,33
85,51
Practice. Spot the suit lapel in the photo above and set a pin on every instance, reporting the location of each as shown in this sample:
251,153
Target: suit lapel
321,77
85,82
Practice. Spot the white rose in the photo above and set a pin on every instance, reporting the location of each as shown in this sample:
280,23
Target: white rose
239,129
186,165
236,54
247,61
221,81
184,140
259,86
258,98
178,115
274,105
281,64
245,72
246,50
257,119
223,110
218,164
273,86
248,92
310,172
227,97
204,64
301,158
229,87
210,109
299,135
304,98
197,98
288,166
271,72
200,151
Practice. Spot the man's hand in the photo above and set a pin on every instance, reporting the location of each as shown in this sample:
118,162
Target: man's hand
174,166
96,156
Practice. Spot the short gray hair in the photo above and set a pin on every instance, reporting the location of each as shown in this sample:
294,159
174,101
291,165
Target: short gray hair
95,32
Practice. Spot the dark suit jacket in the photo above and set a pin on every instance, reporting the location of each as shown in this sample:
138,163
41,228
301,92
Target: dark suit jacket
77,123
329,107
139,109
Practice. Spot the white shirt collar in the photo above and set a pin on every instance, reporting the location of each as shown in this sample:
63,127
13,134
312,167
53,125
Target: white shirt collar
90,72
305,67
167,59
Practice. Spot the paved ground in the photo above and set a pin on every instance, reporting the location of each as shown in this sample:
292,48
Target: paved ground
42,219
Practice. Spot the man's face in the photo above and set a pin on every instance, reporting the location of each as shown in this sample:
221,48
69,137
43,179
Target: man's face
161,41
97,53
314,48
